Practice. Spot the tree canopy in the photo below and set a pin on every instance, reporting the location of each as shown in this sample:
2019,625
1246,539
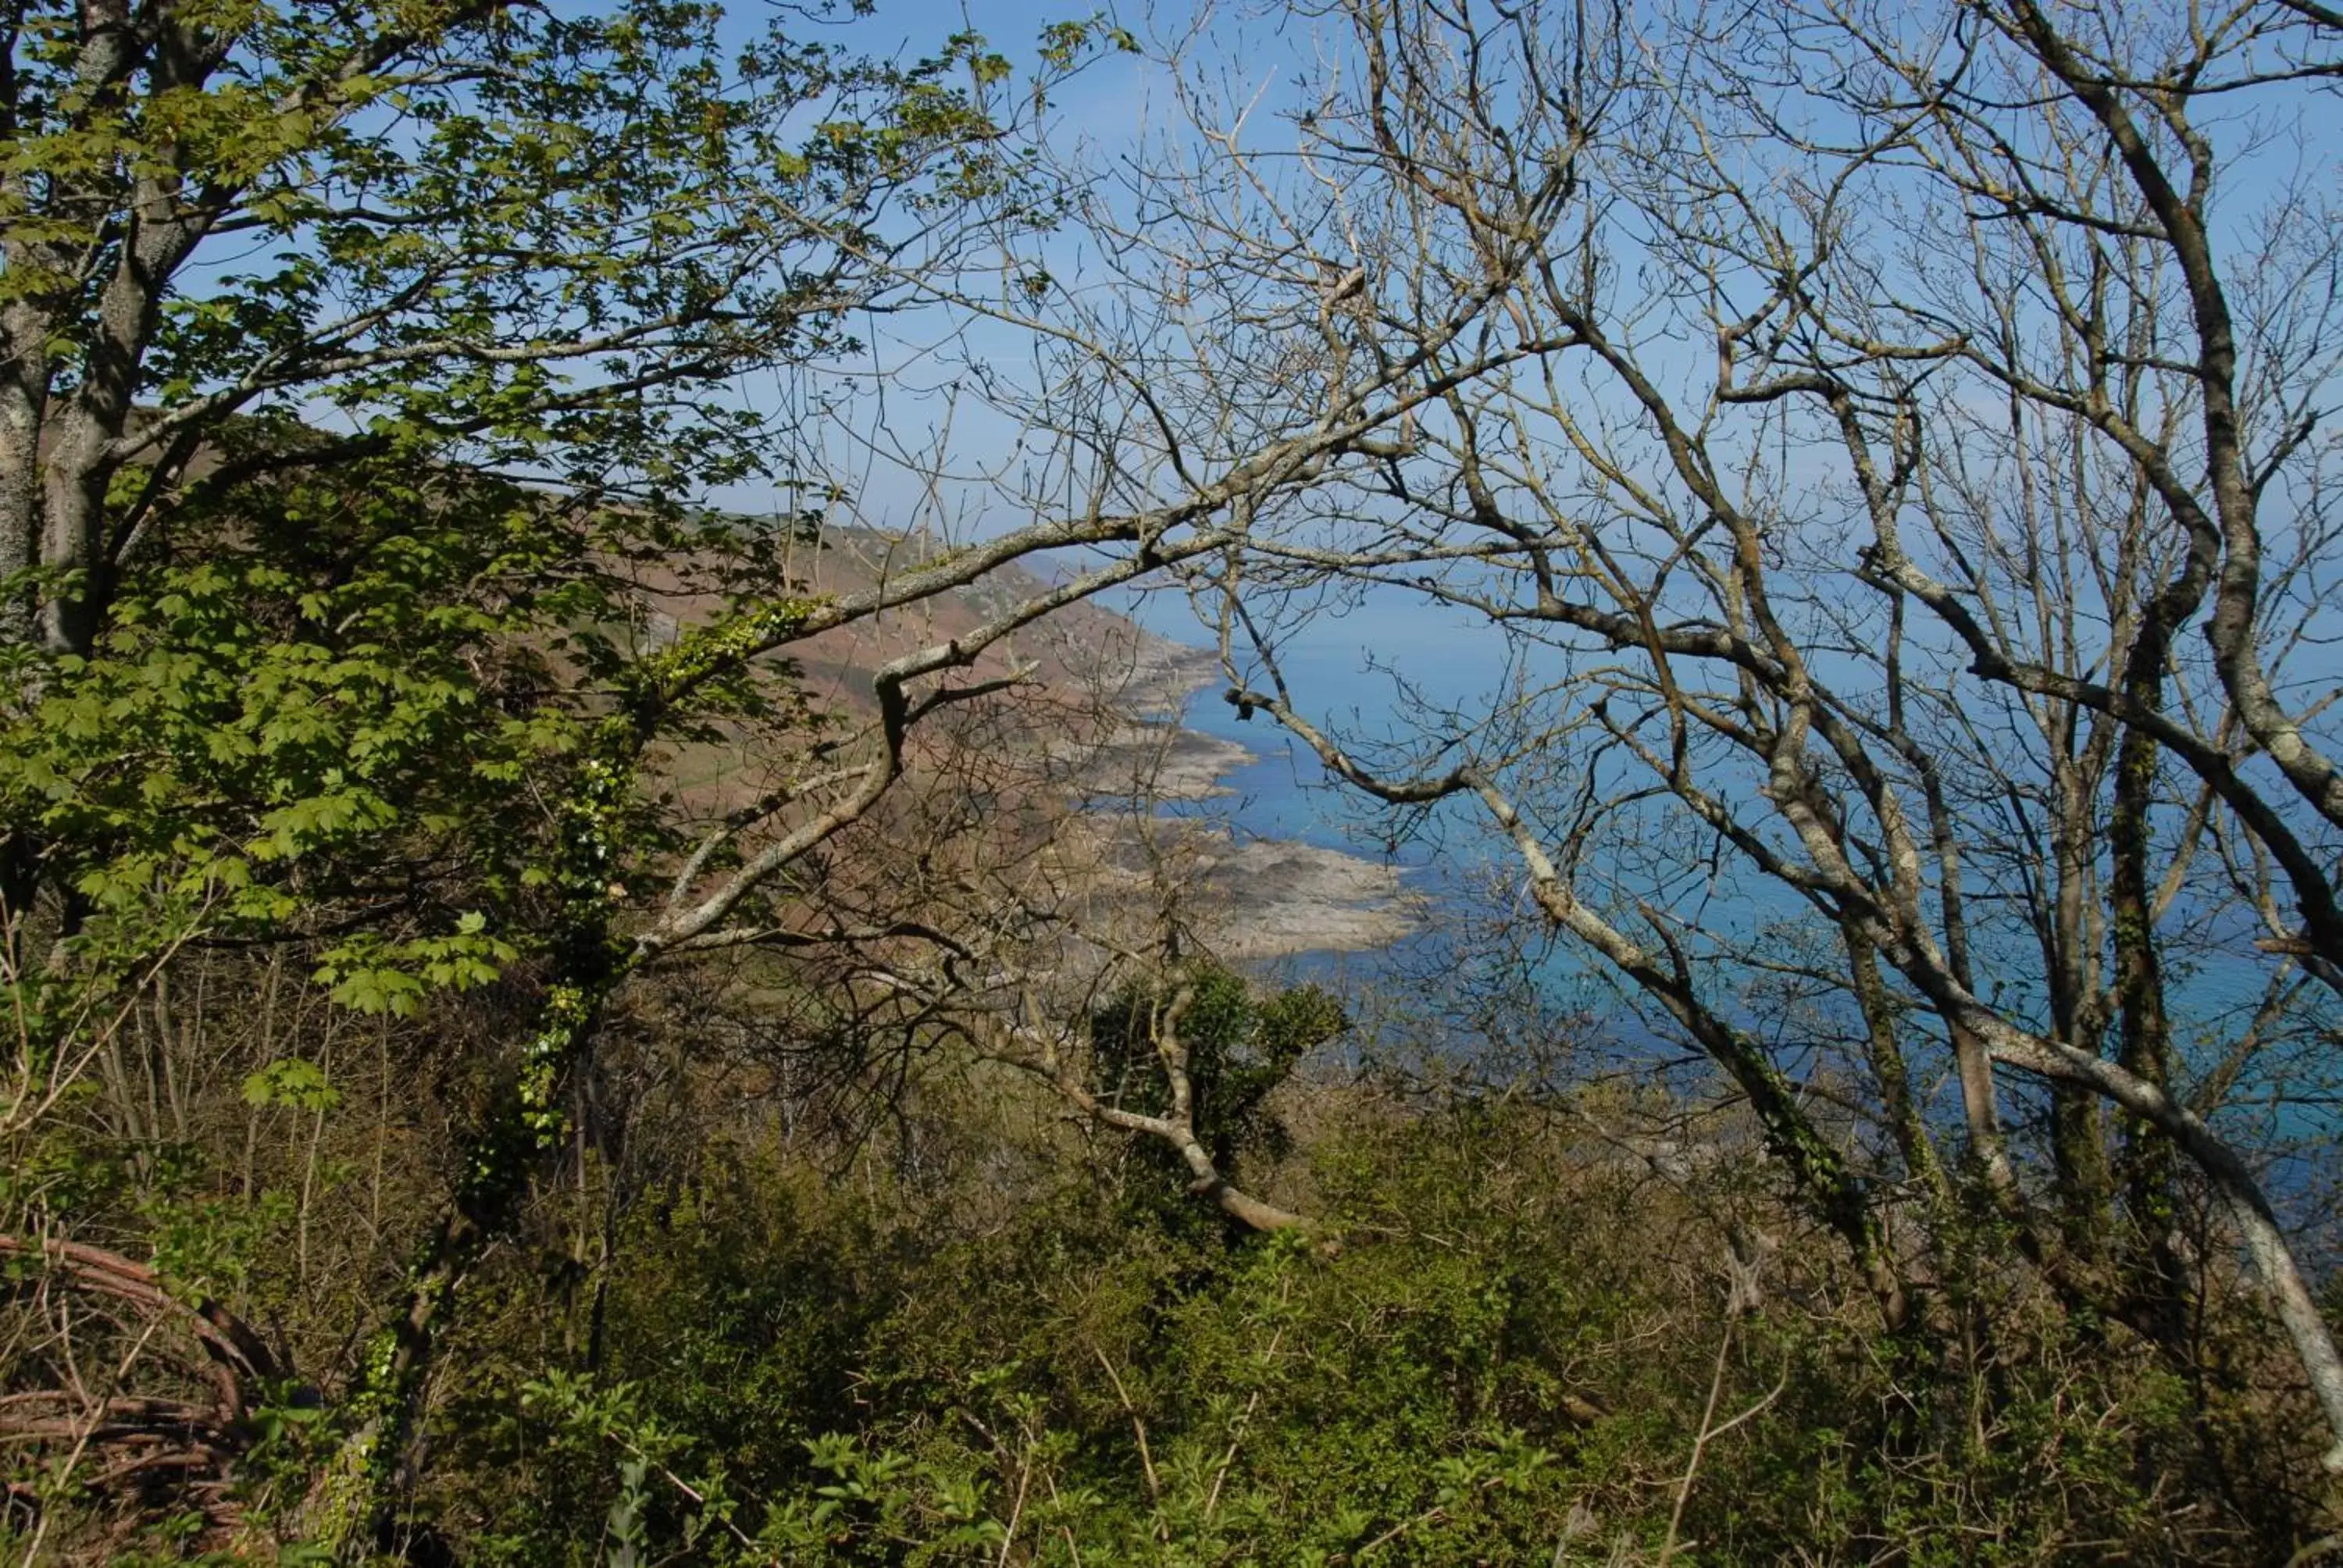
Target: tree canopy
507,1065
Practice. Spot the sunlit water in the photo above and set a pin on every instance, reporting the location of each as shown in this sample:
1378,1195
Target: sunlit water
1394,664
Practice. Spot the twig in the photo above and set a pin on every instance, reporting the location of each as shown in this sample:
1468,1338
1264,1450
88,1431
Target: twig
1708,1435
1213,1501
1437,1511
689,1491
1137,1427
1236,1440
1017,1509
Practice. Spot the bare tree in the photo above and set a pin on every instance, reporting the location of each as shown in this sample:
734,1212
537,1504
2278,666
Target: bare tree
1887,452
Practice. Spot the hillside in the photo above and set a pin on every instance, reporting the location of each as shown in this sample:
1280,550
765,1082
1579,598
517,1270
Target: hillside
1092,724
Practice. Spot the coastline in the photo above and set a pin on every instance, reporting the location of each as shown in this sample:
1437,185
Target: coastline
1254,898
1150,756
1279,898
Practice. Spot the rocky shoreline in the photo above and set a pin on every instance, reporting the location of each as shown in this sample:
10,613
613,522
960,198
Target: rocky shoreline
1254,898
1272,898
1156,762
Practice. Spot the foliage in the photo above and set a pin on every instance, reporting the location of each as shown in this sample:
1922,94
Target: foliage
319,715
1510,1349
1238,1048
363,955
359,368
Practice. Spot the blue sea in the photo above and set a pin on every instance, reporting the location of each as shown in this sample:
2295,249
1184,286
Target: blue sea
1372,674
1393,664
